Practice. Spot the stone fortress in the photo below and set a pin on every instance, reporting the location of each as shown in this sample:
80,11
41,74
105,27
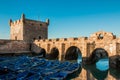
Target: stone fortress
27,36
28,30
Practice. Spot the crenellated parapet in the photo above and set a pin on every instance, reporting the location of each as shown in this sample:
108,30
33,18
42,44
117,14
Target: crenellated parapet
17,22
60,40
28,30
86,45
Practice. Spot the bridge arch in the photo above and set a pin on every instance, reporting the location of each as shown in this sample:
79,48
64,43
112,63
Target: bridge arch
42,52
72,53
97,54
54,53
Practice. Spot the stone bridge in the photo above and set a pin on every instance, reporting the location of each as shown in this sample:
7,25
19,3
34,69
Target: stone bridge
86,45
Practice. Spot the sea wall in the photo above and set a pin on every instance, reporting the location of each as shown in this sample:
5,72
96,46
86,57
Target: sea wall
13,46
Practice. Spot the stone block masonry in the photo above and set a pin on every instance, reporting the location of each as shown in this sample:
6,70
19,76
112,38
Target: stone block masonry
101,39
14,46
28,30
32,35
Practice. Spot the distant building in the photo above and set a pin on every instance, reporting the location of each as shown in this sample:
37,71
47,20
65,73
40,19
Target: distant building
28,30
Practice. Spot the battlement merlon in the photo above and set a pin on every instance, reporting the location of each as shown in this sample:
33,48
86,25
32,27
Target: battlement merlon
10,21
17,21
23,19
47,21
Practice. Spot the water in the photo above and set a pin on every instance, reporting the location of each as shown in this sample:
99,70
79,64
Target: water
92,73
102,64
79,60
98,71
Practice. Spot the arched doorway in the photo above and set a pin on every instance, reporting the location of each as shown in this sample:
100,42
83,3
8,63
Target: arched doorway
42,52
97,54
54,53
73,53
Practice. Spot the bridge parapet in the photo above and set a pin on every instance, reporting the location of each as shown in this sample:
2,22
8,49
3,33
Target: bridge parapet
60,40
82,39
101,35
104,40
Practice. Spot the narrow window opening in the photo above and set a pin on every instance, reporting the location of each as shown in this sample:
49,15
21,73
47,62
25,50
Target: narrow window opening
33,38
39,37
15,37
100,36
40,24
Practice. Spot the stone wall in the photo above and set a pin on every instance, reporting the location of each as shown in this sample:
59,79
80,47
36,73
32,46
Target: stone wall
62,45
35,48
118,48
14,46
3,41
104,40
35,30
16,30
28,30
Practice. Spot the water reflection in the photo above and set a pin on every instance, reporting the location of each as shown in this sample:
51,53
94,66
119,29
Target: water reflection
98,71
97,54
115,73
102,64
79,59
98,74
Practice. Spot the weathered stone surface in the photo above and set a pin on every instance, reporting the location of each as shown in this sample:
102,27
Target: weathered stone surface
101,39
36,32
28,30
14,46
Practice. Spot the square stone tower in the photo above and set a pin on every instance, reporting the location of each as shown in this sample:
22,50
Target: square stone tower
28,30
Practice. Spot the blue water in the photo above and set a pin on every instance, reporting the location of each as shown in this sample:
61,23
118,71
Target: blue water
79,60
103,64
99,70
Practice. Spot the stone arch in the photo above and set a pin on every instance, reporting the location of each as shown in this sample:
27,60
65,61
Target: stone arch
42,52
54,53
72,53
97,54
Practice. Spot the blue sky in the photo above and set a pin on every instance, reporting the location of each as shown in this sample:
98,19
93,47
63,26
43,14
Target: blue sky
68,18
